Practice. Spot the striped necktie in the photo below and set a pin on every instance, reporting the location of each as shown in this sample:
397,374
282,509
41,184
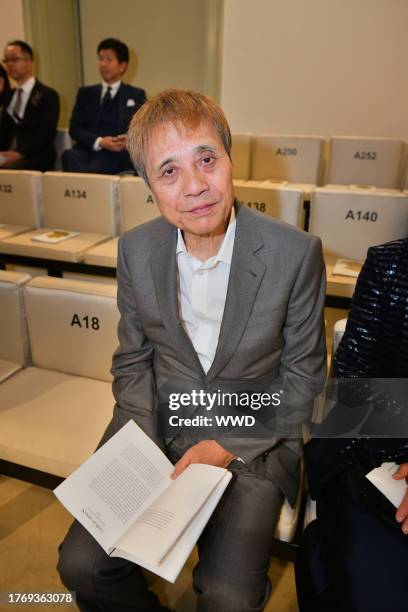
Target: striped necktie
17,105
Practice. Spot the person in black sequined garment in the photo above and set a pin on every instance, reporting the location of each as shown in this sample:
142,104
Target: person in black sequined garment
354,557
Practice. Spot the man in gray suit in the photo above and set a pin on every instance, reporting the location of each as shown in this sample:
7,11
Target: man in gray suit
219,298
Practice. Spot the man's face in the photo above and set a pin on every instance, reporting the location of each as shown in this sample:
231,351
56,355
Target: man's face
110,68
190,175
19,65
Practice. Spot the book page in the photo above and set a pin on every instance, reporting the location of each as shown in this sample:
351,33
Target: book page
381,477
116,484
153,534
171,565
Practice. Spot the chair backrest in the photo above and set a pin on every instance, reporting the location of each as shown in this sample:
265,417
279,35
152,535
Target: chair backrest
284,203
349,220
365,161
241,156
72,326
136,203
295,159
63,141
13,326
20,197
81,202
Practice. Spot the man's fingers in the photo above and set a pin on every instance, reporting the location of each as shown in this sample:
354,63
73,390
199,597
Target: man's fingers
181,466
402,472
402,513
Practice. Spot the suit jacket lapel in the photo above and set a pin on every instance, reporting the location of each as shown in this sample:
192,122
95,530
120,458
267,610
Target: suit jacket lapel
246,275
164,271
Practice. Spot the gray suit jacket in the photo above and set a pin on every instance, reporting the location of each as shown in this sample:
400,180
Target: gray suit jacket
271,337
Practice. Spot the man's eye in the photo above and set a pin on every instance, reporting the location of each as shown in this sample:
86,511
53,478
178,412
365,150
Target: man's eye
207,160
168,172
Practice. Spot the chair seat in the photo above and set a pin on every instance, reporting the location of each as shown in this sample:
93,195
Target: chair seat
288,518
338,285
51,421
105,254
12,230
72,249
8,368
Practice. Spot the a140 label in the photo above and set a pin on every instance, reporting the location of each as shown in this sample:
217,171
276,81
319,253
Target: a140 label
362,215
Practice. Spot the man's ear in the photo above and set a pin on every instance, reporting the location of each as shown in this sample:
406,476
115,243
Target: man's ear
123,67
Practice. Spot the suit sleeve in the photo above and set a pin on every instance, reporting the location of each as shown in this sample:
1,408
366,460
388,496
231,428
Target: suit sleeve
134,385
42,136
302,372
79,124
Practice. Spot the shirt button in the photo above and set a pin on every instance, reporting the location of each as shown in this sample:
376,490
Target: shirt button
200,272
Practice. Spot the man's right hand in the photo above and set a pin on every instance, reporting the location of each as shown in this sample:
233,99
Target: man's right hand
113,143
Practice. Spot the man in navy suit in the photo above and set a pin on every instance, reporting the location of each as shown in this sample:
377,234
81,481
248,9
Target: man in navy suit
101,116
29,120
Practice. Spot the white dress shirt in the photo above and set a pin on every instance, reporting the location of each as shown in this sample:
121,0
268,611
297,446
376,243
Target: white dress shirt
26,90
202,290
114,90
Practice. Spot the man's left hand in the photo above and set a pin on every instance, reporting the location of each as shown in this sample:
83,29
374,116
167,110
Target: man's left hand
402,511
8,157
207,451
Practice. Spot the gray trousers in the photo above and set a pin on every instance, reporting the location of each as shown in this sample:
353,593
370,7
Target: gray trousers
234,551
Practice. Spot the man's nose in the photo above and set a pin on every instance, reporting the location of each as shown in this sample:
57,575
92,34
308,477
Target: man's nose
195,182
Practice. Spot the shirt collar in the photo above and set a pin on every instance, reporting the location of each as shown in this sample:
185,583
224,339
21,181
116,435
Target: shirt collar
28,85
114,87
224,252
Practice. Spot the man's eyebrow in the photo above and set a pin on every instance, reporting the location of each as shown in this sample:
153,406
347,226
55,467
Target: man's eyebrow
205,147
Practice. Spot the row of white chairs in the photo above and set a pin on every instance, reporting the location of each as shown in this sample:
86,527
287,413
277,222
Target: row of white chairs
310,160
98,208
58,337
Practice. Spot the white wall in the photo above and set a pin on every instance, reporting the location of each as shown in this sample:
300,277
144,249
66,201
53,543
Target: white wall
316,66
11,22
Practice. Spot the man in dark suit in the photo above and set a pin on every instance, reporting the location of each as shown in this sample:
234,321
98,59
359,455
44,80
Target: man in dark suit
215,297
101,116
29,122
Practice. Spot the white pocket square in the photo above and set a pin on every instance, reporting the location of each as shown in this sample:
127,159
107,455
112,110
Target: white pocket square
130,102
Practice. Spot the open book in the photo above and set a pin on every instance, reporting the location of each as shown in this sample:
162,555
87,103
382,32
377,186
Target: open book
347,267
124,497
381,477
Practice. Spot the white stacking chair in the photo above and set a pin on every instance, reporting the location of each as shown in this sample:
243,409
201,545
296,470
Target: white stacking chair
280,202
137,206
53,413
365,161
295,159
14,348
20,202
241,156
349,221
63,141
86,204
